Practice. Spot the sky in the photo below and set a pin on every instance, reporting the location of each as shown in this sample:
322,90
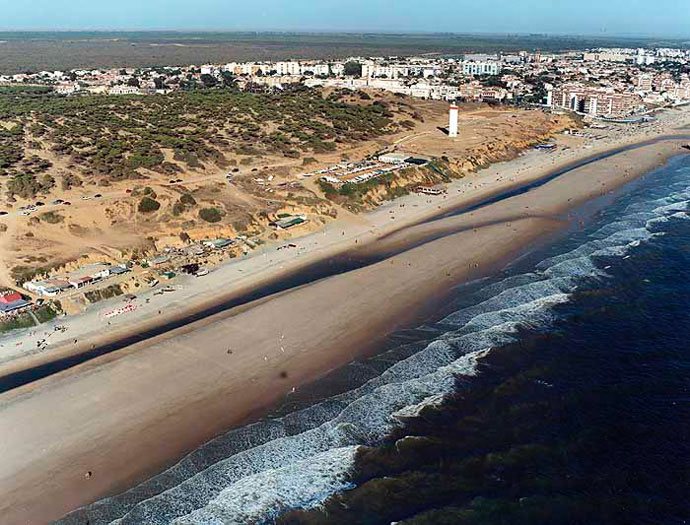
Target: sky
669,18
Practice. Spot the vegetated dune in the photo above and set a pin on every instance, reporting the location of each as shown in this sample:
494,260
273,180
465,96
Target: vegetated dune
160,162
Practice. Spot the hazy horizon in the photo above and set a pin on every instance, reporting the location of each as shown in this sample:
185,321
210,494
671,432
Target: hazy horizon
614,18
186,31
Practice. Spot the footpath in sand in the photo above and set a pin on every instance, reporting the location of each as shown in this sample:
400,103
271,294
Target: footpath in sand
103,426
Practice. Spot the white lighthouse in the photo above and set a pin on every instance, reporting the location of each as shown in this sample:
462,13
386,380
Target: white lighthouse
453,121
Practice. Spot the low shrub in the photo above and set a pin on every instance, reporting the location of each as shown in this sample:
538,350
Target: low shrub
210,215
148,205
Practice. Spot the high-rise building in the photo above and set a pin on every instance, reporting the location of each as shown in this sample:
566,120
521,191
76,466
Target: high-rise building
549,94
599,102
481,68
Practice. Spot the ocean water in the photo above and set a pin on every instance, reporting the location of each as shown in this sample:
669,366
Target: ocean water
602,314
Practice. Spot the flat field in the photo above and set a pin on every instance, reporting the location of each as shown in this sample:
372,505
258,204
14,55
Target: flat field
35,51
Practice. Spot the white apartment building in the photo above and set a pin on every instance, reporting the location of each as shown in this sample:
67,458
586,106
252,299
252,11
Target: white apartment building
395,71
606,56
430,72
512,59
434,91
247,68
338,69
317,69
67,88
481,68
124,89
287,68
423,70
644,59
372,70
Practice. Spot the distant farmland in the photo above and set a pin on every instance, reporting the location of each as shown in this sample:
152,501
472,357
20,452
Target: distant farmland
36,51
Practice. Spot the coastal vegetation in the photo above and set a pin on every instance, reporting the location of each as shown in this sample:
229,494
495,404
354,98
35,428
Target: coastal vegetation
51,217
22,320
121,137
34,267
26,319
184,203
210,215
163,157
148,205
28,185
112,290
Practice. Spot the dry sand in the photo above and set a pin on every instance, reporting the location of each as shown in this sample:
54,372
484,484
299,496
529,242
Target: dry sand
127,415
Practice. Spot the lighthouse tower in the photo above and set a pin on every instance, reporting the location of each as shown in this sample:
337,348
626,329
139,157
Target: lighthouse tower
453,121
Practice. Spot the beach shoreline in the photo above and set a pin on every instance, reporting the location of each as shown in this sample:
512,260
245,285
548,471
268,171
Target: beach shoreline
227,368
369,229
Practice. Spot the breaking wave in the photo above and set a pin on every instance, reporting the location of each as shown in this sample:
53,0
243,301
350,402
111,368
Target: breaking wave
254,473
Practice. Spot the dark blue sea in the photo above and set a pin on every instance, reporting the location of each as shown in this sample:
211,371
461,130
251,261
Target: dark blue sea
555,392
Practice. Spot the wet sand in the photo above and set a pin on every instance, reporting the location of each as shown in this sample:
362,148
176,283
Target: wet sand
126,415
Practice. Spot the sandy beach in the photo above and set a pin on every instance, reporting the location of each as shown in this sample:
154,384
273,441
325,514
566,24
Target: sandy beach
238,279
98,428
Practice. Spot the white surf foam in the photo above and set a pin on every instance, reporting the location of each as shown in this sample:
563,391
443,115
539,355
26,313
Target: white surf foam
367,418
303,484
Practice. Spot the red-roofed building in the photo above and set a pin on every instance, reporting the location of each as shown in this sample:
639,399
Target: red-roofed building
9,296
10,301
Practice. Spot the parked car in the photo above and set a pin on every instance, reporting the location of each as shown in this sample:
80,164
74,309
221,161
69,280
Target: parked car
3,213
39,203
97,196
67,203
